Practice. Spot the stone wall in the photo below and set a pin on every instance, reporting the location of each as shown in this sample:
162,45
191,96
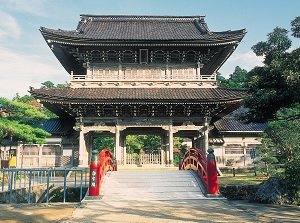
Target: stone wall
21,195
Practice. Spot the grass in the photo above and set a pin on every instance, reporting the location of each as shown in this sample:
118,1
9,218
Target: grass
240,180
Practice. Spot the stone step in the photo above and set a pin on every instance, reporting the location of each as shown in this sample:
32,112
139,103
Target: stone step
151,185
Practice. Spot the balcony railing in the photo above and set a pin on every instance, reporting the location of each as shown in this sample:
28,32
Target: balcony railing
188,74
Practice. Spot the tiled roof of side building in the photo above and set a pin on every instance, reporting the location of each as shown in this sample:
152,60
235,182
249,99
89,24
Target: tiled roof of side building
143,28
57,126
119,94
232,124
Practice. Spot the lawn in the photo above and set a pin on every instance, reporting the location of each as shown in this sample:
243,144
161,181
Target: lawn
240,180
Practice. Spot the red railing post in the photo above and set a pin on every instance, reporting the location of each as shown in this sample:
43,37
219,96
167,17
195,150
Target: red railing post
212,175
100,164
94,189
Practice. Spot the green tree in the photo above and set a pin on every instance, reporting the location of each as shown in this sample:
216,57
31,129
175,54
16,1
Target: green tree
274,48
47,85
104,142
236,80
296,27
134,144
266,153
274,96
20,121
292,178
276,84
285,133
50,84
281,140
150,143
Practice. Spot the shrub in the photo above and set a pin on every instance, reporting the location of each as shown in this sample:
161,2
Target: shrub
233,192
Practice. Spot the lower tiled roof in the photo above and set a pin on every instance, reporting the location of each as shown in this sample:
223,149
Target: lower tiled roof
232,124
138,94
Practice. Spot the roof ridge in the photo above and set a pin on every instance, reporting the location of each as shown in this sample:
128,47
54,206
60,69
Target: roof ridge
141,17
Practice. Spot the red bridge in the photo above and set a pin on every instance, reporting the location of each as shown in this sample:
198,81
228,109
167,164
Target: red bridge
154,184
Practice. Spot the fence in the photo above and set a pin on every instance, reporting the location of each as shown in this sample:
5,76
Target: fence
141,159
14,179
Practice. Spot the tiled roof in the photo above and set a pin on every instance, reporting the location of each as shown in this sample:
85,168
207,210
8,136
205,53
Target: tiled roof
231,123
127,94
57,126
143,28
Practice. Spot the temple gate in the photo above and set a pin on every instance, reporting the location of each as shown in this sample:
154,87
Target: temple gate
141,75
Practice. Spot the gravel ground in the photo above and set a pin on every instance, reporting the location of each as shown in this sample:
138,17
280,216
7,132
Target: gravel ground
36,213
149,211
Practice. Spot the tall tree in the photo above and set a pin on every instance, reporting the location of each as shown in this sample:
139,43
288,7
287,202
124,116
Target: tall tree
277,83
274,96
296,27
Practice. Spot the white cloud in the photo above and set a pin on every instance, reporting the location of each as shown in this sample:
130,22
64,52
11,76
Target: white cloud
8,26
247,61
19,71
35,7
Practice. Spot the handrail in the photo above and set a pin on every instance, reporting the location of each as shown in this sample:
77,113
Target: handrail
205,167
100,164
15,179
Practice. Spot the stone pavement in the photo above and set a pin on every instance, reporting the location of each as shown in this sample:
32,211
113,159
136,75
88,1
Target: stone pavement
160,196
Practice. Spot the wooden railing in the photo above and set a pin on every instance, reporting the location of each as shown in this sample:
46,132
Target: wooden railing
205,167
141,159
100,164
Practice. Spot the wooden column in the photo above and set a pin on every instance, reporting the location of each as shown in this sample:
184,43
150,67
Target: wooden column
165,147
205,136
170,158
40,155
117,151
83,157
123,147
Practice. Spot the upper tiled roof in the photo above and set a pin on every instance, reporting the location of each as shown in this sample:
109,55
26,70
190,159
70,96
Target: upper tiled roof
231,123
142,28
145,94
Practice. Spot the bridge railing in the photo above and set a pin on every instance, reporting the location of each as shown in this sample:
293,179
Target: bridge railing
22,185
205,166
100,164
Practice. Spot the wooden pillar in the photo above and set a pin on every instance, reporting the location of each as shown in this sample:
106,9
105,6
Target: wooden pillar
40,155
117,150
83,154
165,148
194,143
205,136
198,71
18,155
123,146
171,145
90,148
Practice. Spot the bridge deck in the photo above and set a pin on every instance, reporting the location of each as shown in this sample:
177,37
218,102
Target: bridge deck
151,185
155,196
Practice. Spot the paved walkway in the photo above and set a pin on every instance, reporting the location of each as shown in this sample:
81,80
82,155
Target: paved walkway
161,196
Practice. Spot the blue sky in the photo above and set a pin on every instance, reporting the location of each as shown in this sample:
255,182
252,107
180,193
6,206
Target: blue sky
26,60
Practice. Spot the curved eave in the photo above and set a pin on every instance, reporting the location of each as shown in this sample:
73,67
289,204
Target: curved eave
51,37
119,98
136,101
